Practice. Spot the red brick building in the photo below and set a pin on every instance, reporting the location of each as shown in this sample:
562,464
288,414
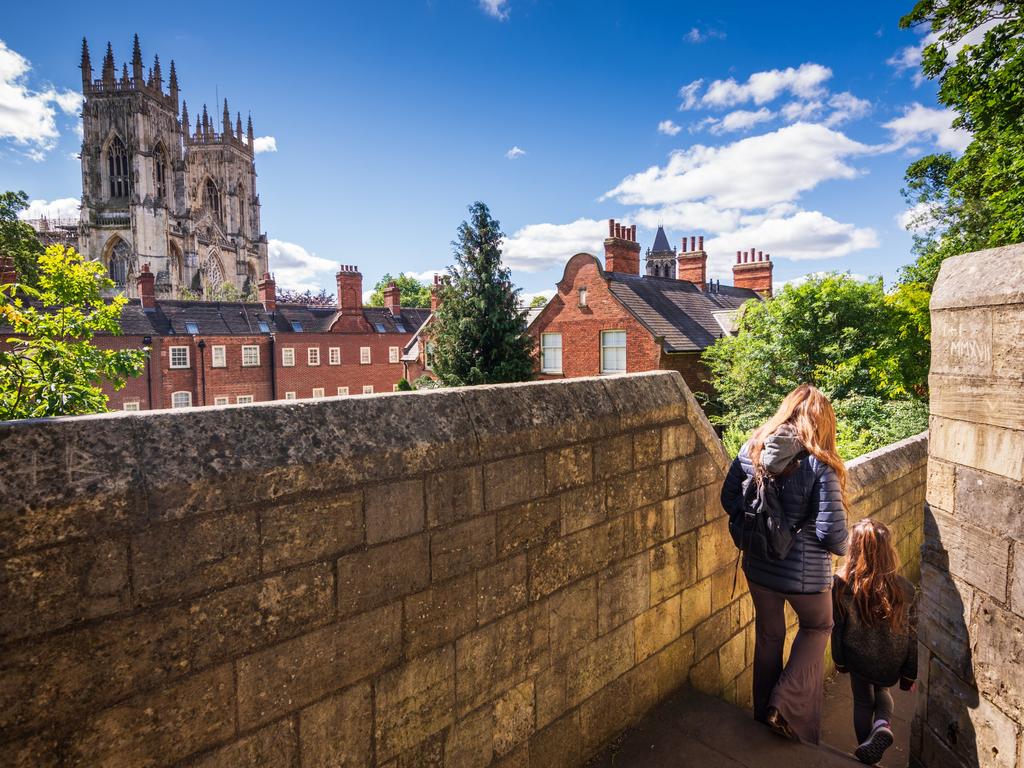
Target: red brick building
611,319
216,353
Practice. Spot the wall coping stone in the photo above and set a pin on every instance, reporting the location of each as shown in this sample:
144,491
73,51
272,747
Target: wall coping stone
983,278
886,464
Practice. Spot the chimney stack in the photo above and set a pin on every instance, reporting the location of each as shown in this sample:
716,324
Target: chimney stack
755,273
268,292
350,290
621,250
8,274
435,293
692,264
147,294
393,299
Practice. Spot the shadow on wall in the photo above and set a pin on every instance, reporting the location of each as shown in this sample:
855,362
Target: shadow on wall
948,691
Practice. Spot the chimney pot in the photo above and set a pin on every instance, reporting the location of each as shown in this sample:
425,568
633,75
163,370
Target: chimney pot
693,243
760,255
632,232
737,257
611,227
700,243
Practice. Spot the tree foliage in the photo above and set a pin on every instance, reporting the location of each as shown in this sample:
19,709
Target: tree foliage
18,240
847,337
538,301
478,332
320,299
977,200
413,293
51,367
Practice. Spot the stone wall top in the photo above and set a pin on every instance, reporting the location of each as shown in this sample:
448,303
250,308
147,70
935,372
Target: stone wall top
983,278
887,464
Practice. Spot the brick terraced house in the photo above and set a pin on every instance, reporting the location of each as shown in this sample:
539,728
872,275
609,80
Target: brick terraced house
219,353
611,319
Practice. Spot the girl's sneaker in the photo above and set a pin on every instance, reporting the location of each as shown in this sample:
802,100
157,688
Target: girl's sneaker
871,751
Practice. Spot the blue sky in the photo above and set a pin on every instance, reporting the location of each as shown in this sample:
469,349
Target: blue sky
783,128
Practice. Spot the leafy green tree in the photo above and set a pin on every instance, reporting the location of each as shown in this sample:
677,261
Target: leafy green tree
322,298
479,332
413,293
975,201
50,367
538,301
17,239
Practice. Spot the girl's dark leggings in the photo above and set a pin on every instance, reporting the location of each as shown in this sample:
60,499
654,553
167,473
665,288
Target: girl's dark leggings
870,703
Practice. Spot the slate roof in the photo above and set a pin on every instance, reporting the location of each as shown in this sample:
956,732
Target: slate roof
677,310
660,242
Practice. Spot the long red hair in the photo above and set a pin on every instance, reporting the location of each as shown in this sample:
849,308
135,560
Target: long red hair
811,414
870,571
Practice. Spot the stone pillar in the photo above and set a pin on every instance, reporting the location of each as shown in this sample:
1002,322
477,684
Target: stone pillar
971,703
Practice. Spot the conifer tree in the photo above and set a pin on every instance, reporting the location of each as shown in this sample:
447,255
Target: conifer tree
479,333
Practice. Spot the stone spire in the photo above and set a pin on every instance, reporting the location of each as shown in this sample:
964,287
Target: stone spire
206,123
227,120
184,114
108,66
86,66
124,75
252,149
238,126
172,86
136,62
199,131
158,77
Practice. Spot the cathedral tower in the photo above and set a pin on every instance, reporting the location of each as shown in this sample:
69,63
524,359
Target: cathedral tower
661,258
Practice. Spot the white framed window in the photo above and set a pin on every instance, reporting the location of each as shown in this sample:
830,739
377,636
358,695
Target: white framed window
221,400
393,354
313,355
334,356
287,357
131,405
342,390
551,353
428,355
613,351
318,391
178,357
367,389
181,399
250,356
289,395
243,399
364,355
218,356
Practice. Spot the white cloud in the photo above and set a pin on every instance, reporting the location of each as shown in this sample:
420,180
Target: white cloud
528,296
741,120
668,128
427,277
798,281
515,152
754,172
918,218
496,8
61,209
805,82
688,217
538,247
801,110
697,35
264,144
845,107
28,117
909,58
920,123
296,268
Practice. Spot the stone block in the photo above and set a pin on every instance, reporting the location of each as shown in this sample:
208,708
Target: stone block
297,672
941,484
1017,585
513,480
438,615
337,732
726,585
647,447
673,567
637,489
513,718
573,617
975,555
962,342
732,655
597,664
470,741
712,633
990,502
677,441
569,558
691,473
429,753
617,705
648,526
414,701
715,549
944,613
527,525
1007,342
394,510
494,658
462,548
689,510
998,643
613,456
269,747
694,605
50,589
517,758
992,449
673,664
549,692
646,399
307,530
500,589
160,727
706,676
623,591
656,628
378,575
569,467
992,402
192,556
559,745
454,495
581,508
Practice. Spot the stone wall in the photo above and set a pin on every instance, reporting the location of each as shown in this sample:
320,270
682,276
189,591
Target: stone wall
498,575
972,577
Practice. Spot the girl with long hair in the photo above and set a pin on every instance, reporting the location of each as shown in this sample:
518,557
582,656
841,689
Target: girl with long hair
796,449
875,633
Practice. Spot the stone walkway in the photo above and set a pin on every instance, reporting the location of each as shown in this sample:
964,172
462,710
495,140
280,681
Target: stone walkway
691,729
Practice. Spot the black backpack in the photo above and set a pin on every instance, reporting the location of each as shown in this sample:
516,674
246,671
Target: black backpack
760,528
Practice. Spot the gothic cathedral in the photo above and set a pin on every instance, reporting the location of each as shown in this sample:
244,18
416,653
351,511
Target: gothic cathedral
154,192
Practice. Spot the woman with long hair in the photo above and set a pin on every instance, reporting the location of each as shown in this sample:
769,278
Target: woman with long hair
875,633
795,453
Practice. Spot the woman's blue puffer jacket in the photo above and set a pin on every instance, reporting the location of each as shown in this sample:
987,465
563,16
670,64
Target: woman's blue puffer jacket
812,494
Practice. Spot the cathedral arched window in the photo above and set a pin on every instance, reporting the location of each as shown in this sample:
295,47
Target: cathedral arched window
160,171
120,262
118,171
213,198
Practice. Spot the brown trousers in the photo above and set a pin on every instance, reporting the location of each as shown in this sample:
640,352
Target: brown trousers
796,689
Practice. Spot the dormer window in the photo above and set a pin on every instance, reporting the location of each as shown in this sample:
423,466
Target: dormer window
583,297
